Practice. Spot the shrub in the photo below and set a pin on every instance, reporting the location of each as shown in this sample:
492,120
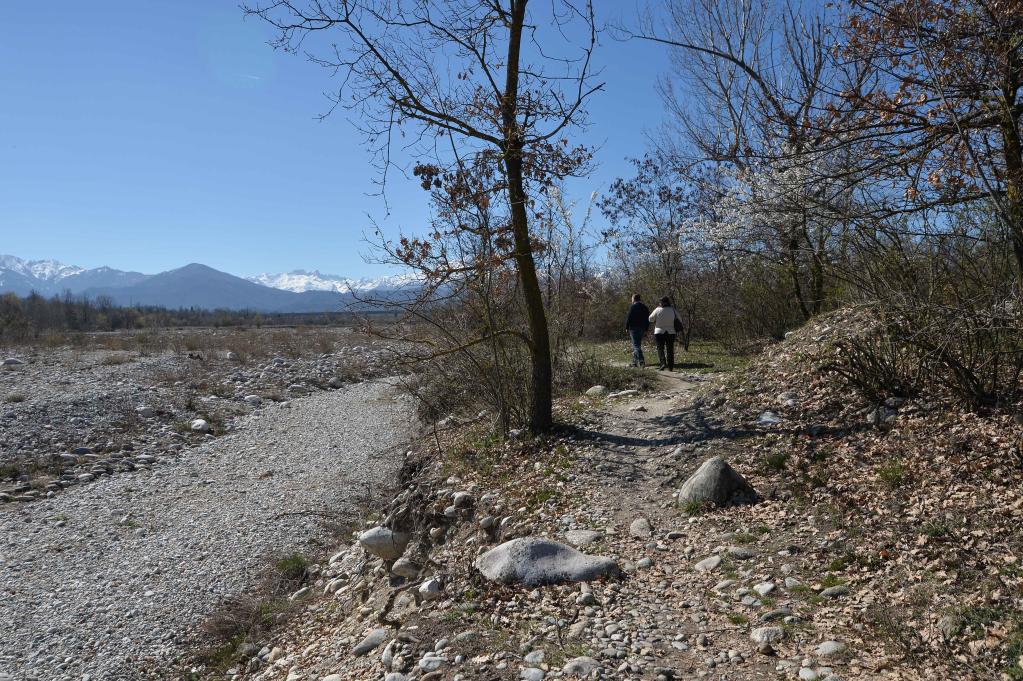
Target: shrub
292,567
580,370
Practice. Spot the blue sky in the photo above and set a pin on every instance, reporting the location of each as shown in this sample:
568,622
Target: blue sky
147,134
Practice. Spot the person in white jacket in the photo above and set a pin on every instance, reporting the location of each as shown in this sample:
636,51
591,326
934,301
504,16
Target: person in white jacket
663,318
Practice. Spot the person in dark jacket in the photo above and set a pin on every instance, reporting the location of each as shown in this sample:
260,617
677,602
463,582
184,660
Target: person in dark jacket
636,324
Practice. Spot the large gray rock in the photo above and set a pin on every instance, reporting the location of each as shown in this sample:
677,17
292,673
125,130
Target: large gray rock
533,561
717,482
384,543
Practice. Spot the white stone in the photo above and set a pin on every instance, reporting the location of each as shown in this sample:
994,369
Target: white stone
708,564
431,589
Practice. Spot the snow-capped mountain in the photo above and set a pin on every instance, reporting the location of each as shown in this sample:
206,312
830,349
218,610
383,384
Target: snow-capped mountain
197,285
50,277
43,270
303,280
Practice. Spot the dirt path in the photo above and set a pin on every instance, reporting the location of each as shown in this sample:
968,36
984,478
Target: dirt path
703,591
691,621
108,580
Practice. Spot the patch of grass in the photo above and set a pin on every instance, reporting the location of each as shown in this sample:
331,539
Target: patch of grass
249,617
12,470
292,567
893,474
695,507
14,398
807,594
936,529
541,496
737,618
557,657
744,538
776,460
703,357
586,367
841,563
182,427
831,580
479,452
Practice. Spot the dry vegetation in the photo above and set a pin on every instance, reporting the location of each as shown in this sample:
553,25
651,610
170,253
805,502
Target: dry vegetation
922,499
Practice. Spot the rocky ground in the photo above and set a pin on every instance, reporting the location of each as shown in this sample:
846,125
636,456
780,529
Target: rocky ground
882,544
110,565
69,415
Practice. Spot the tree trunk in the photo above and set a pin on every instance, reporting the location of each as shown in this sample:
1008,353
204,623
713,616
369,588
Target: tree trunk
793,270
541,418
1013,151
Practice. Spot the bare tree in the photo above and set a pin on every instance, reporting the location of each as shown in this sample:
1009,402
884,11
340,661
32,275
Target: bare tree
749,88
944,114
506,85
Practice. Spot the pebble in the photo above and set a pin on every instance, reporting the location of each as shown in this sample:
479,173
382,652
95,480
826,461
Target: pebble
767,634
828,648
708,564
640,528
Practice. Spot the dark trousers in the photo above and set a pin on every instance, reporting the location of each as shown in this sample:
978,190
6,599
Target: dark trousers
666,349
637,346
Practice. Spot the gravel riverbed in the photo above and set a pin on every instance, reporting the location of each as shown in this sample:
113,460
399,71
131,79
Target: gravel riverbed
109,580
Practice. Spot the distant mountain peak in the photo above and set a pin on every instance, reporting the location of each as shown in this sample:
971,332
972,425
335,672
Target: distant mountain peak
194,285
44,270
300,281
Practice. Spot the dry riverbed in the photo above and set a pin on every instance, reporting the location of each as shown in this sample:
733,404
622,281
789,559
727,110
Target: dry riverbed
110,577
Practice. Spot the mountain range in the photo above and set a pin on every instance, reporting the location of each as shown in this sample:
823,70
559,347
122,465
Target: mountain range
200,286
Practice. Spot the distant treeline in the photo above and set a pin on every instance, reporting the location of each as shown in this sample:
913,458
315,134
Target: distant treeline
25,318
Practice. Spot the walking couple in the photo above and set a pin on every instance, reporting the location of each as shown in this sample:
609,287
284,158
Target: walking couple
666,324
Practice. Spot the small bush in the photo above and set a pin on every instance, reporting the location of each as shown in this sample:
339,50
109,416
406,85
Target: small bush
292,567
577,372
14,398
248,618
12,470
